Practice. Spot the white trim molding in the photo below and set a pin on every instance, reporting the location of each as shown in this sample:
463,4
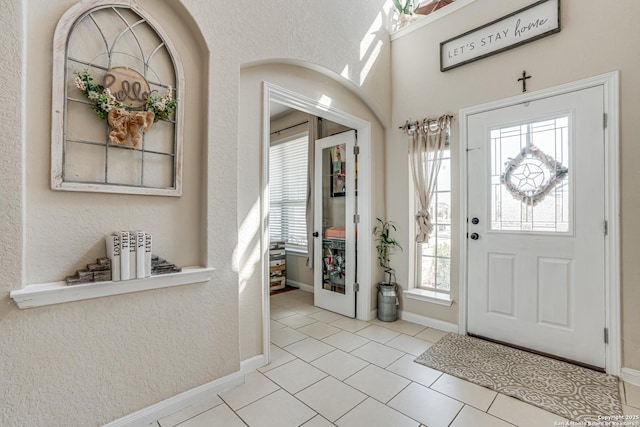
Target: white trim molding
610,83
429,322
59,292
631,376
191,397
300,285
180,401
432,297
250,365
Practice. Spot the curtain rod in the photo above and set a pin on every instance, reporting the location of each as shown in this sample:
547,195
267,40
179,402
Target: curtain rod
290,127
410,126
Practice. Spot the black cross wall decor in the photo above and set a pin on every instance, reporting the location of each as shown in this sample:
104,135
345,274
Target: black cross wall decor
524,80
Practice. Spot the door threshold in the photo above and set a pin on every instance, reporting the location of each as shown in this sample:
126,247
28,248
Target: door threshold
540,353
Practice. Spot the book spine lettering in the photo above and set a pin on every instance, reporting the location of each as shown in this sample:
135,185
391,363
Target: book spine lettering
140,255
132,255
125,258
147,255
113,253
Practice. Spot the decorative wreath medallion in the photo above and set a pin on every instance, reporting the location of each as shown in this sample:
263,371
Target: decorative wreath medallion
130,108
532,175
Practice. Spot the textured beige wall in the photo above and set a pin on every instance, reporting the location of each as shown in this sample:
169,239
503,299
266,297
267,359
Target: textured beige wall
312,85
297,269
82,219
593,41
89,362
86,363
11,148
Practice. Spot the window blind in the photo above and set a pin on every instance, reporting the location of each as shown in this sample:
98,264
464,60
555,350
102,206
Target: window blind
288,192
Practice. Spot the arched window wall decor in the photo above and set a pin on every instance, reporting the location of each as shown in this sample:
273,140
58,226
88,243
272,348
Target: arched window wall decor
118,47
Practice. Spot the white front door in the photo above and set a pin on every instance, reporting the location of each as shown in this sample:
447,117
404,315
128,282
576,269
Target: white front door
536,224
334,227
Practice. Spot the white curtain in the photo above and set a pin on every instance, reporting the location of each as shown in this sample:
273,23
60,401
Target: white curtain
429,139
313,135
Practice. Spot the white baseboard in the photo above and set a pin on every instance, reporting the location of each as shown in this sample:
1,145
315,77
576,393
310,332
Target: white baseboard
631,376
173,404
421,320
250,365
156,411
300,285
427,321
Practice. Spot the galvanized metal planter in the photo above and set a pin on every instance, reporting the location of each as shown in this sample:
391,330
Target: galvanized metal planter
388,302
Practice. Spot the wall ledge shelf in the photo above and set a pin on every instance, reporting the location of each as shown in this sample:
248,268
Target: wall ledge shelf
58,292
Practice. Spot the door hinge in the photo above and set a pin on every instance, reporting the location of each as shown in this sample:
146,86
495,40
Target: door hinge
356,149
606,227
356,218
356,287
606,335
604,120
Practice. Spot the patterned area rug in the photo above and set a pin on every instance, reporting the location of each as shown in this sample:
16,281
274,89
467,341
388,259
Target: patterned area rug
573,392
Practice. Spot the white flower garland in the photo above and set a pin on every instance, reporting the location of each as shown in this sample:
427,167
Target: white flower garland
533,197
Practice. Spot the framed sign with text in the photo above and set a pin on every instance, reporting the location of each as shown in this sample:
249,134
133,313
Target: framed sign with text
522,26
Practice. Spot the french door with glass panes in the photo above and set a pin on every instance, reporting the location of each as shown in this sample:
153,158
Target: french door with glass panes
536,210
334,227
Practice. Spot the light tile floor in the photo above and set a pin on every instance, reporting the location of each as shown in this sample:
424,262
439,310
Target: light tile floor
328,370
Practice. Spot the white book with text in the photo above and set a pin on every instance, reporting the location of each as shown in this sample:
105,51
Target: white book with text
113,253
125,257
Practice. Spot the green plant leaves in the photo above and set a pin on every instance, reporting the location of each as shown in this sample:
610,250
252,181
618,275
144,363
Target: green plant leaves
386,245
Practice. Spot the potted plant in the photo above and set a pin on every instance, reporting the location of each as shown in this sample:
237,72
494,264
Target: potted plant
387,290
406,10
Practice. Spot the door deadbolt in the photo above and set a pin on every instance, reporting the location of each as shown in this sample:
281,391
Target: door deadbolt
475,221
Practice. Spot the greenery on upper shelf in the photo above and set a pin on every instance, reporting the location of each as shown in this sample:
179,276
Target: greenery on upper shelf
408,8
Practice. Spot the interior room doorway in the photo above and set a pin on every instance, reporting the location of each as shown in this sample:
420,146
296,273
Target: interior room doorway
280,97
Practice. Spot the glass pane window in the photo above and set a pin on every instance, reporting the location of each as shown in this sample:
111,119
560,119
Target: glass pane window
434,256
530,177
288,193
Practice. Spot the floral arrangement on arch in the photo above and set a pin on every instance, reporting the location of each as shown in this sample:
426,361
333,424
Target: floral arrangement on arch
126,121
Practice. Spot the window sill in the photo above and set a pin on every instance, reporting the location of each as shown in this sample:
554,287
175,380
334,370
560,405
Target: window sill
58,292
429,296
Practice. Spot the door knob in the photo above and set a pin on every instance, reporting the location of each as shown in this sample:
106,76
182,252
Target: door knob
474,236
316,234
475,220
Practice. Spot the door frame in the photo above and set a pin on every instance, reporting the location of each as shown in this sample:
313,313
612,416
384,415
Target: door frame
280,95
610,84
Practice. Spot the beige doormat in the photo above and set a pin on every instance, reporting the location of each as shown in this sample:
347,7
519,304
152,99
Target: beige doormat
576,393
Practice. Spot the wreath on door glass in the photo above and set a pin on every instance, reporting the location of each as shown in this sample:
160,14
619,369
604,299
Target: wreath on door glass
532,174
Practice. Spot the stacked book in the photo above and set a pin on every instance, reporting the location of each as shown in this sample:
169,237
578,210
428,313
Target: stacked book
130,255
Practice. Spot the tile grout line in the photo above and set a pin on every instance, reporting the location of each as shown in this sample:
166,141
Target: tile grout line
237,414
457,414
253,401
